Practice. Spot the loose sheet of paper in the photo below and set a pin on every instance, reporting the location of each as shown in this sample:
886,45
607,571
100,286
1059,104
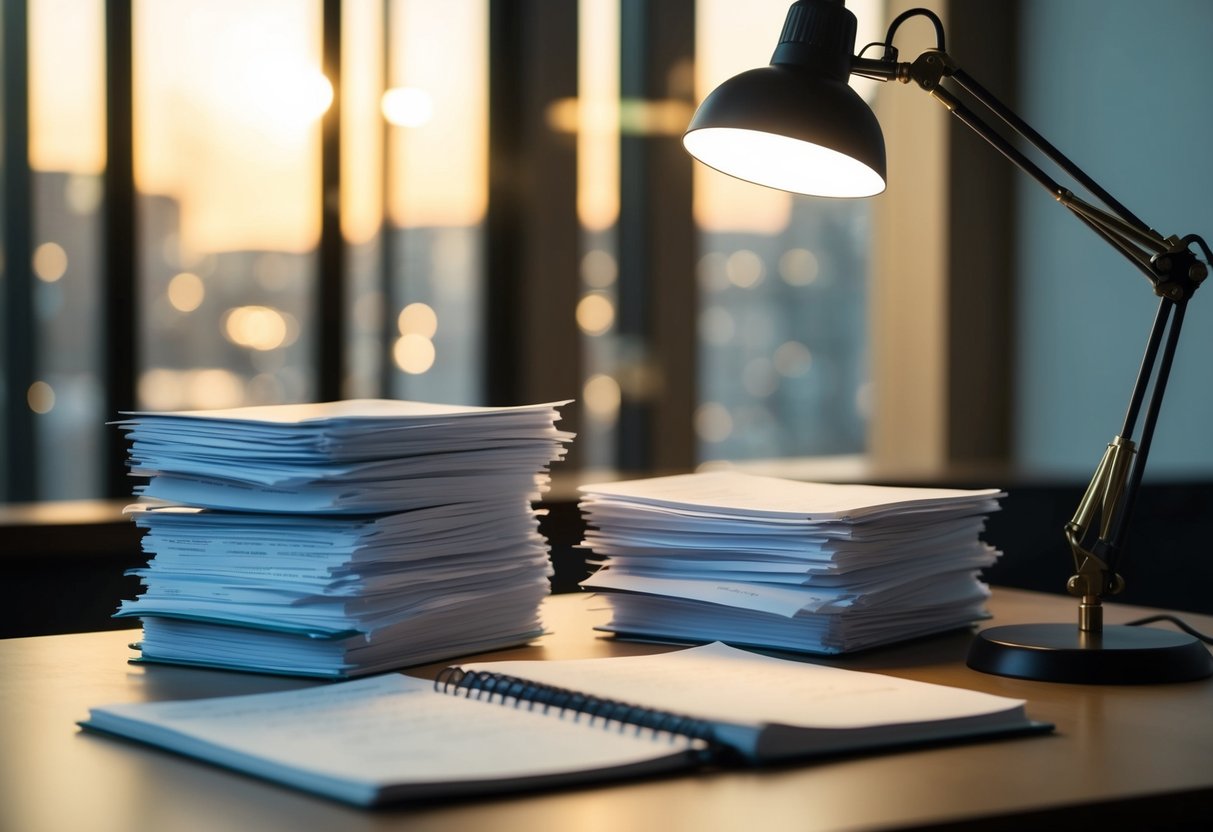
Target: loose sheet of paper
770,497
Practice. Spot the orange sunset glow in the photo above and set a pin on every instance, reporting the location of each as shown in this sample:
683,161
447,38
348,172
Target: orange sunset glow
228,101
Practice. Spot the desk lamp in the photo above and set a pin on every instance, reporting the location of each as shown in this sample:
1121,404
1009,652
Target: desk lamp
797,126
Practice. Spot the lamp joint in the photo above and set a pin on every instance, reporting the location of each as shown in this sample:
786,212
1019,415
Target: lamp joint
931,67
1090,615
1095,580
1177,273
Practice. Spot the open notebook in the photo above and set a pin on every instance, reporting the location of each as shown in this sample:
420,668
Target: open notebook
390,738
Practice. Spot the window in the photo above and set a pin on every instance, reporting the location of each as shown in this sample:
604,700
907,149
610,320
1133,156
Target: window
228,99
66,152
435,174
516,221
782,280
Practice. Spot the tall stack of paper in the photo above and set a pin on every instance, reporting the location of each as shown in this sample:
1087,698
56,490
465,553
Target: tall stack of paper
783,564
340,539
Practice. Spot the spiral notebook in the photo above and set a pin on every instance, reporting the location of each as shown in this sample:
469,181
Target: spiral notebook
513,726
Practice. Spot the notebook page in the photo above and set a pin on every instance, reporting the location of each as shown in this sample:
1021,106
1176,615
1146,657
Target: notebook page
727,685
350,739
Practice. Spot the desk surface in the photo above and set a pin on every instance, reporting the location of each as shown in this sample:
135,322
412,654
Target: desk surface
1119,752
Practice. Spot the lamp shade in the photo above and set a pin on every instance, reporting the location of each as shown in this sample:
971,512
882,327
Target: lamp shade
796,125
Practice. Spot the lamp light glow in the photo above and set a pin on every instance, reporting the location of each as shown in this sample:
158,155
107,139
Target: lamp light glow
796,125
783,162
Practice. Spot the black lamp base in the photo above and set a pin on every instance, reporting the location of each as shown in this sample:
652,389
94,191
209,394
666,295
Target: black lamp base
1120,655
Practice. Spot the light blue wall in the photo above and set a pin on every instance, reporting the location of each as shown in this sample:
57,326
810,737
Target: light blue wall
1124,88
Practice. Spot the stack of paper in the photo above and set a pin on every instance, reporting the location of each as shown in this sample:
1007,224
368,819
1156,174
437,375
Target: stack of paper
340,539
783,564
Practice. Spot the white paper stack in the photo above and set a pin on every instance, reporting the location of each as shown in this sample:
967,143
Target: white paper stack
340,539
811,567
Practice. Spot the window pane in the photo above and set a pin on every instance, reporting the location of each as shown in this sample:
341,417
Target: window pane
595,118
228,100
782,331
67,156
437,185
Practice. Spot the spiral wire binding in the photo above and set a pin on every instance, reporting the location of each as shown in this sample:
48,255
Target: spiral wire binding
478,684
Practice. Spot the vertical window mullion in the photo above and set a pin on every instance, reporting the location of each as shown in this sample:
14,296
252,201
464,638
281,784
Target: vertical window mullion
388,250
634,437
503,327
20,481
657,290
120,315
673,289
533,348
330,299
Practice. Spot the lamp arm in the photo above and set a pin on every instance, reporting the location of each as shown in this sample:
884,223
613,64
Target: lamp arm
1148,250
1097,532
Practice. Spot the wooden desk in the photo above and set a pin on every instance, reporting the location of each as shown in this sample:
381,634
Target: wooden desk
1130,756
